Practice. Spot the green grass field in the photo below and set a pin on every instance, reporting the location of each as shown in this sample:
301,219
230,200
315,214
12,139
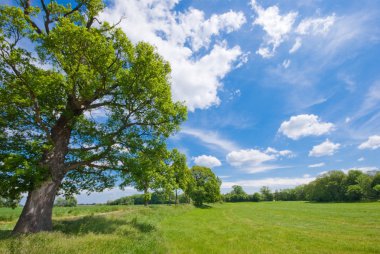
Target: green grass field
265,227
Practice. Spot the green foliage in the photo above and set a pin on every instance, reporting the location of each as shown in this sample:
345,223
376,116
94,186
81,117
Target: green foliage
354,193
236,195
4,202
335,186
204,186
72,67
157,197
266,193
66,202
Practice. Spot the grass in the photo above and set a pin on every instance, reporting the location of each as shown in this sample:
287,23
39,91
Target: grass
265,227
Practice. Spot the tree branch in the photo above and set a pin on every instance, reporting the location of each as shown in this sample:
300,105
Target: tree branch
26,6
47,16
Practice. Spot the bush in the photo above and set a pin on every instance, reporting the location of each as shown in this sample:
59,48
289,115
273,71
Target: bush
66,202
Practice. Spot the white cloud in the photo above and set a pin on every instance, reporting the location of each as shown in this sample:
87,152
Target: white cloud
249,156
275,25
326,148
304,125
315,26
179,38
254,161
296,45
270,182
361,159
207,161
279,28
373,143
211,138
317,165
286,63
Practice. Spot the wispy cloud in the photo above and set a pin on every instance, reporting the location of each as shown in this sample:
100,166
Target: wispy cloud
211,138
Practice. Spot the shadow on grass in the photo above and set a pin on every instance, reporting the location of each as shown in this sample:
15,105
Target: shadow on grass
203,206
99,225
5,234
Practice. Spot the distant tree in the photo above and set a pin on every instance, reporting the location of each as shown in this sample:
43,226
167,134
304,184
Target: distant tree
266,193
66,202
354,193
146,170
237,190
204,186
237,194
376,188
180,172
4,202
365,183
255,197
376,185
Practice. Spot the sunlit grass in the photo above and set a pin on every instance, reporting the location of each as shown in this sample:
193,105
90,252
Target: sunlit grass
266,227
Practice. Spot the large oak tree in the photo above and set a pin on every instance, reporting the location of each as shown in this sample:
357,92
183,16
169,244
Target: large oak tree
75,96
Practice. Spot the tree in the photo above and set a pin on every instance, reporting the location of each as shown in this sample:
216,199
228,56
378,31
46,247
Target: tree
266,193
204,186
236,195
180,171
66,202
146,170
73,66
237,190
354,193
365,181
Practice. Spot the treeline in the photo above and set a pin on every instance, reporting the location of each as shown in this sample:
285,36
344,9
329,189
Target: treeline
198,184
333,186
156,198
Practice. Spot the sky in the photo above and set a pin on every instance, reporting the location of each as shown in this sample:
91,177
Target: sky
278,92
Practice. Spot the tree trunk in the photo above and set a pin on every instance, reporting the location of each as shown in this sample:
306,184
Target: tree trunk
146,197
176,196
36,215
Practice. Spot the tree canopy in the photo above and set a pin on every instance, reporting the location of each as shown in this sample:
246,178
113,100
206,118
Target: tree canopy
204,186
75,96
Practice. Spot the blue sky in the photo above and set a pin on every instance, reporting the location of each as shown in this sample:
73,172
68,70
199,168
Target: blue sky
278,91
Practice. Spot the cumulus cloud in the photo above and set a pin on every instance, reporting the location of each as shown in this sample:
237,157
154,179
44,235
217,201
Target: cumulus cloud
279,28
326,148
373,143
317,165
254,160
275,25
305,125
207,161
187,41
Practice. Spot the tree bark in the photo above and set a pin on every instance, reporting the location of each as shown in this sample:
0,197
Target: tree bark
36,215
146,197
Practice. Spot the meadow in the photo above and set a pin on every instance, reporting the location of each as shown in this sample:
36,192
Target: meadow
263,227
